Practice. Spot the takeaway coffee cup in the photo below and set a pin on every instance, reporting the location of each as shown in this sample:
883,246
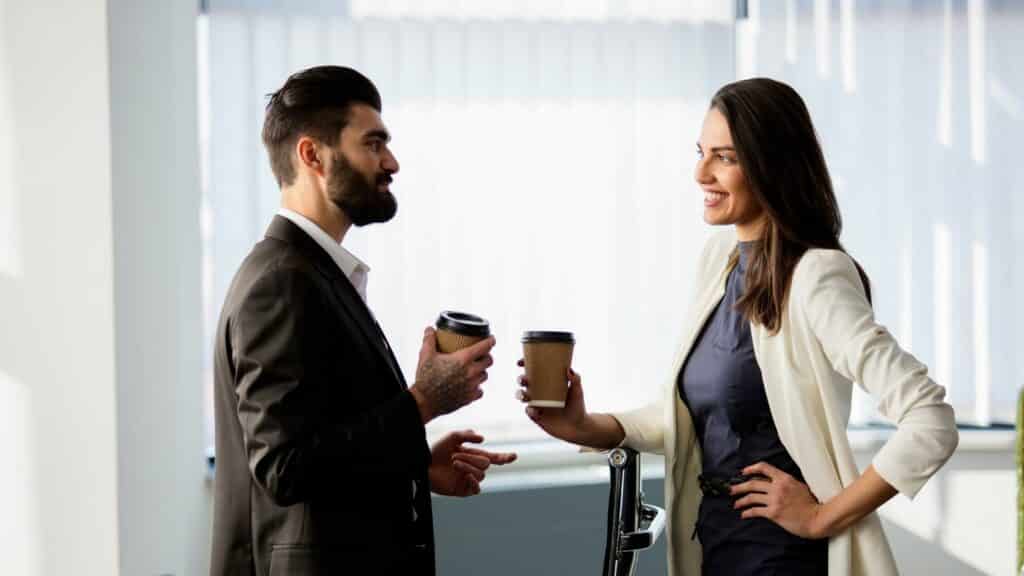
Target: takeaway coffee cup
456,330
547,356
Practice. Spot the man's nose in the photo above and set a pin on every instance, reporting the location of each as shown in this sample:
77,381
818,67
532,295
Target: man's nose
390,163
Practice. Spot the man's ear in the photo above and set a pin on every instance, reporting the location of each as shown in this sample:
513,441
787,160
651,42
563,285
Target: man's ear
309,154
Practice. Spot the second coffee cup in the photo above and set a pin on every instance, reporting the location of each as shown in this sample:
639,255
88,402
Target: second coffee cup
457,330
547,357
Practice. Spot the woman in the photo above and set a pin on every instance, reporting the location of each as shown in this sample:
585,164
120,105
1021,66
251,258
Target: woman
759,474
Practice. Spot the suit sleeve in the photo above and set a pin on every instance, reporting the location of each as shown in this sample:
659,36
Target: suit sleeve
278,349
865,352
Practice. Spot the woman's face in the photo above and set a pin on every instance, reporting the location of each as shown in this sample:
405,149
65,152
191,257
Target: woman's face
727,196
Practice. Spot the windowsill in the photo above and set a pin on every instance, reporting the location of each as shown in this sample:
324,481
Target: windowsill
551,463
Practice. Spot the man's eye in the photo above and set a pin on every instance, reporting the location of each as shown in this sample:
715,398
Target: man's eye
375,145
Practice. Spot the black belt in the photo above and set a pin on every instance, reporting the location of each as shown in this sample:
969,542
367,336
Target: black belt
720,485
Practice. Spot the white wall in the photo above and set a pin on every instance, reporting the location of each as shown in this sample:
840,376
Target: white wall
100,404
964,521
57,337
155,185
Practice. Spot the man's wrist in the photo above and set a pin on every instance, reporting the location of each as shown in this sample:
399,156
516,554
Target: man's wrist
426,414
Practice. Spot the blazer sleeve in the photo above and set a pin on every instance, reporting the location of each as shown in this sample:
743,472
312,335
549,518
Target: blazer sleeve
644,428
863,351
277,345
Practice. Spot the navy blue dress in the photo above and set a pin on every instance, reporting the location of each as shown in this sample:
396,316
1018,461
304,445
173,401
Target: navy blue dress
722,387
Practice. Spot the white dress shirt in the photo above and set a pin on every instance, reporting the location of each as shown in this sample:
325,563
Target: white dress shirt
353,268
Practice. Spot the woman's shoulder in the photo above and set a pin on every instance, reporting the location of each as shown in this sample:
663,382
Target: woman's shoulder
824,265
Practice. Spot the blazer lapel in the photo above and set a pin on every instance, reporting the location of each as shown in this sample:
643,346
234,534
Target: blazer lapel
350,304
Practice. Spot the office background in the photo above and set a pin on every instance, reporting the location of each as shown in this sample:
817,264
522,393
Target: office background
547,152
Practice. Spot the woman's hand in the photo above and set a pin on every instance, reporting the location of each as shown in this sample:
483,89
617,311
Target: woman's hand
563,423
780,498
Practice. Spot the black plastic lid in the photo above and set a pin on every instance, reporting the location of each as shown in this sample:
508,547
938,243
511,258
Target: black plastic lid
463,323
547,336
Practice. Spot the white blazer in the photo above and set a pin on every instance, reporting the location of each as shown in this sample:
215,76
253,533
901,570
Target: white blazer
828,340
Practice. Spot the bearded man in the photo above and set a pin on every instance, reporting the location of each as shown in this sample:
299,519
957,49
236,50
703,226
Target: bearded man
322,463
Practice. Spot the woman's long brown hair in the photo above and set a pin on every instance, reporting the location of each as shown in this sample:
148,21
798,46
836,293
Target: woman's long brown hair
779,153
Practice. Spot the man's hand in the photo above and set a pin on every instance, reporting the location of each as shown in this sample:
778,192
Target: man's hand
447,382
456,470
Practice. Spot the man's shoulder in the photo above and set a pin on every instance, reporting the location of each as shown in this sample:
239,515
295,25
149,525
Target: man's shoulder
272,264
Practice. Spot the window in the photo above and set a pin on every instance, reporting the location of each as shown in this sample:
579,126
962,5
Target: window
919,108
547,162
546,175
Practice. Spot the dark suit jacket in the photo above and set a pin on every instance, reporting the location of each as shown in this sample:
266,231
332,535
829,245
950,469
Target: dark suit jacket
319,442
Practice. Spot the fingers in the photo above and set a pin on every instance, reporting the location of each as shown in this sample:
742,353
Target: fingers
483,362
469,470
755,499
502,458
574,378
764,469
476,381
498,458
755,512
750,486
522,395
477,461
429,346
477,350
460,436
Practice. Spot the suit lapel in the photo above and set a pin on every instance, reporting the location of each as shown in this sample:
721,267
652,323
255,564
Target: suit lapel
353,303
348,301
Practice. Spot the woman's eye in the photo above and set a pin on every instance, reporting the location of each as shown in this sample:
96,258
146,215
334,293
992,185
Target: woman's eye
700,153
725,159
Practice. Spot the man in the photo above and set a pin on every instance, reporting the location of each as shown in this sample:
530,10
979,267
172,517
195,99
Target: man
322,460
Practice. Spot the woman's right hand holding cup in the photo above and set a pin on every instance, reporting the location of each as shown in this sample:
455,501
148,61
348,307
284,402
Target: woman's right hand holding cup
563,423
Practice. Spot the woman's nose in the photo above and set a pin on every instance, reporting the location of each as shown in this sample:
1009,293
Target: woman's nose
701,173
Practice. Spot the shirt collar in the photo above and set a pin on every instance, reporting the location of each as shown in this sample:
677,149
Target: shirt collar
349,264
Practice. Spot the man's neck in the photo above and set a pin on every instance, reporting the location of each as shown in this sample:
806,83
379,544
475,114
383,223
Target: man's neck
314,206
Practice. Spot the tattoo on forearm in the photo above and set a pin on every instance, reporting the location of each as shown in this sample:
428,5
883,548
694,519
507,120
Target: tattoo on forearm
443,384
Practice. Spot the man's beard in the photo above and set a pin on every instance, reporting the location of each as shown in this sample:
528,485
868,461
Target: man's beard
357,196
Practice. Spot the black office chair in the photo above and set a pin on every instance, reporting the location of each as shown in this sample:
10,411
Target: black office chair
632,525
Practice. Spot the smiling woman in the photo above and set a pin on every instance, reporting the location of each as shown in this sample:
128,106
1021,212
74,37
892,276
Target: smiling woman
727,195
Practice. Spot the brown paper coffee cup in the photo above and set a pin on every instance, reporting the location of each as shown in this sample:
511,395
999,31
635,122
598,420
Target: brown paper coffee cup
457,330
547,356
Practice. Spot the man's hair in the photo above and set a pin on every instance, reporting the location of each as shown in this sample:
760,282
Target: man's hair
314,102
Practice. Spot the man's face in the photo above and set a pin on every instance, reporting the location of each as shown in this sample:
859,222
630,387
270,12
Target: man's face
361,169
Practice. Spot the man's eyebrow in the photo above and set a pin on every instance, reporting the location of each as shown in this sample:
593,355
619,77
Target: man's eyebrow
378,133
